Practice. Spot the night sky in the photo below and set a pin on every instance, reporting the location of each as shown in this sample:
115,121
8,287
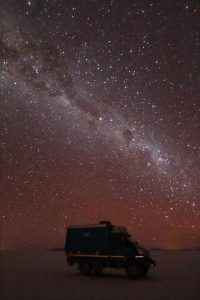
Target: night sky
99,120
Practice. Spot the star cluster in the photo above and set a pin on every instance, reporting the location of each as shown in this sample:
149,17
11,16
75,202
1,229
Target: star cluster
100,119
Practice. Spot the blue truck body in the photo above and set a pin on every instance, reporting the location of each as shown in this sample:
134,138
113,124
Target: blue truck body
88,239
95,247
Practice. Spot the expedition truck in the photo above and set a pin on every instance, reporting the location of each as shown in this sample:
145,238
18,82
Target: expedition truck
95,247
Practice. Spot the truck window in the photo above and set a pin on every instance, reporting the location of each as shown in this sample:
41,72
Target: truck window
118,238
86,234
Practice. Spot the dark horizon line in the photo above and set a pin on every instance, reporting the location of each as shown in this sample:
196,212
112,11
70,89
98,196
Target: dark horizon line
63,249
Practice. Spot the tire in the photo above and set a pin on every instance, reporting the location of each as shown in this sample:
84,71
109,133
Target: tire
133,270
145,271
98,270
85,269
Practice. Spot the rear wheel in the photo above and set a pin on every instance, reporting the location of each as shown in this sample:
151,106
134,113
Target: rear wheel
98,270
85,269
133,270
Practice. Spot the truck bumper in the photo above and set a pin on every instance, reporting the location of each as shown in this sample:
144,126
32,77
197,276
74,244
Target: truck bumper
152,263
147,261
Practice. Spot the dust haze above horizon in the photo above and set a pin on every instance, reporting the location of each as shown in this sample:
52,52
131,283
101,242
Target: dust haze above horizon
100,120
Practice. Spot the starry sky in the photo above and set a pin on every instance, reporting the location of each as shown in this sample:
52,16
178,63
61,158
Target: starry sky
99,120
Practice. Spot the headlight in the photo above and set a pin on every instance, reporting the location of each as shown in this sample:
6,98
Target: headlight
143,252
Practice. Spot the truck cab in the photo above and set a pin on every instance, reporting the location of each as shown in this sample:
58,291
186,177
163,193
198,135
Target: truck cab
95,247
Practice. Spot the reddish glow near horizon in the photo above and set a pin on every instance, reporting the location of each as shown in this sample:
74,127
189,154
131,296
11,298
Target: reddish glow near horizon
100,119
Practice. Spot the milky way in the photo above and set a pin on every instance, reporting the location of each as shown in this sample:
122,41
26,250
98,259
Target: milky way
100,119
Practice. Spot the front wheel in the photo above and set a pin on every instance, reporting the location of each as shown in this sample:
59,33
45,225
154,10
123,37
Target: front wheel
133,270
145,271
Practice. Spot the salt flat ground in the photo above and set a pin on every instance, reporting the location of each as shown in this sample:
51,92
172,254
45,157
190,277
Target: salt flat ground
46,276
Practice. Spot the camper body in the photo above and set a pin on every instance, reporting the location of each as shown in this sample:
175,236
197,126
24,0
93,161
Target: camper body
95,247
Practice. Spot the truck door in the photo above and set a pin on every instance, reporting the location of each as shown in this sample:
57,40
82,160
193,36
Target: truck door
117,244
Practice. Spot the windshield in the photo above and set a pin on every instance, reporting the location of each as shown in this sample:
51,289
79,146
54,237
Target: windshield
131,239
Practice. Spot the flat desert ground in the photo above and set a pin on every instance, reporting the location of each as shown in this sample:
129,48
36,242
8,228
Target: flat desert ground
45,275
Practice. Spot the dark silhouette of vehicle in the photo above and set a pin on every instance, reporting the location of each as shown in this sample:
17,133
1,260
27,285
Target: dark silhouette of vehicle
95,247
